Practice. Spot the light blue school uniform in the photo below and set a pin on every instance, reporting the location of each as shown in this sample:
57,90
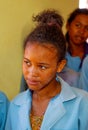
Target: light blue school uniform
71,72
73,62
80,67
83,81
4,104
66,111
70,76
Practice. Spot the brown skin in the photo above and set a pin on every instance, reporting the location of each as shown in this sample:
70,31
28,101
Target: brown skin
78,33
39,69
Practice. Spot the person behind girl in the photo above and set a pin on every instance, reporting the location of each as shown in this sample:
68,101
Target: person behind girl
77,48
49,16
83,81
49,103
4,104
76,36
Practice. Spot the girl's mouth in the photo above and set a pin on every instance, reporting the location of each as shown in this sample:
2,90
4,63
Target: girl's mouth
32,82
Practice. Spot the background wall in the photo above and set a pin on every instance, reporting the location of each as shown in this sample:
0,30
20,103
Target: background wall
15,23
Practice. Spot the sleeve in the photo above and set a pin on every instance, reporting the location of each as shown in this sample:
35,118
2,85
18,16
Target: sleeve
4,105
83,81
83,114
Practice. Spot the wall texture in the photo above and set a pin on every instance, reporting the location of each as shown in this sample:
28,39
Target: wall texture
15,23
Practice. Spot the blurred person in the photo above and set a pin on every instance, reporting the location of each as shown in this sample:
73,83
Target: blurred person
4,104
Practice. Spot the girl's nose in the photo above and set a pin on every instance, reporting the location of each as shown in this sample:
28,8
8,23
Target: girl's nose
82,30
32,71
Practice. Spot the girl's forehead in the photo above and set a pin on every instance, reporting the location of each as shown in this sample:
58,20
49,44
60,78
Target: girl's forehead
82,19
39,48
81,16
38,52
37,45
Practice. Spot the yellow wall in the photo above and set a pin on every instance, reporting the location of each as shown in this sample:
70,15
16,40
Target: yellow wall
15,22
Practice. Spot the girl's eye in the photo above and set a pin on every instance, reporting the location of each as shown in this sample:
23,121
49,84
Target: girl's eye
86,28
78,25
43,67
27,63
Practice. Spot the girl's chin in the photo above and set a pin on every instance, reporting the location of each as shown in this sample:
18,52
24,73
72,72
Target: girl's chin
33,87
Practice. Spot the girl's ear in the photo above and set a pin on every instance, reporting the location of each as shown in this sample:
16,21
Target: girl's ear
61,65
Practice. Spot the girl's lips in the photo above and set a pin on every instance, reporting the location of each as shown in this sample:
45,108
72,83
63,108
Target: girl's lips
32,82
79,37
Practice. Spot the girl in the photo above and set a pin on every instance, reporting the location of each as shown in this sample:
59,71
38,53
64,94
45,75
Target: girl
76,36
77,48
49,103
49,16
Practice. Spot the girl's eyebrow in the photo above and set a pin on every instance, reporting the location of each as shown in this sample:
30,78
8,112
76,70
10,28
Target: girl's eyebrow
40,63
26,59
43,63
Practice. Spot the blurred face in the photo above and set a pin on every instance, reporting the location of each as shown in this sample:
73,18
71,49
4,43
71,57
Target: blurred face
40,65
78,29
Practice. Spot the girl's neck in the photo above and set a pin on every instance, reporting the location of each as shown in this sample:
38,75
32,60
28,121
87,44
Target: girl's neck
47,93
40,100
77,50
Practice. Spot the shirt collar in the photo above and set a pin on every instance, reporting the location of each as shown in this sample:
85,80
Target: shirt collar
22,98
66,91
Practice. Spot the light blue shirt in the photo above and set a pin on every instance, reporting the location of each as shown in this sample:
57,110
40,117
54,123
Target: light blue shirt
4,103
73,62
83,81
66,111
70,76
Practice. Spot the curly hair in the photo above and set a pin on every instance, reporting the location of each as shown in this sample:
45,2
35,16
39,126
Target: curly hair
48,34
49,16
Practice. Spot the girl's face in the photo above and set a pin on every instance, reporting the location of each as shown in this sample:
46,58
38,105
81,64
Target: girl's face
40,65
78,30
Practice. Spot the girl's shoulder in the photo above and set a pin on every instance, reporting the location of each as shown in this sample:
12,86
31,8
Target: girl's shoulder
3,96
22,97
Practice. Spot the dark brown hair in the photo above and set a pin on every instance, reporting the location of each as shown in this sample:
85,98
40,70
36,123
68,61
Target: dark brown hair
48,34
49,16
